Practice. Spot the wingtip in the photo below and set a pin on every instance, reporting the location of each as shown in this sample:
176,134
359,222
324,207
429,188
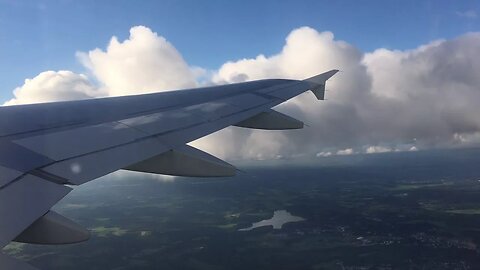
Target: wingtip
322,78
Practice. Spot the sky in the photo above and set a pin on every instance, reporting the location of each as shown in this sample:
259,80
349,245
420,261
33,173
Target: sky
44,35
408,76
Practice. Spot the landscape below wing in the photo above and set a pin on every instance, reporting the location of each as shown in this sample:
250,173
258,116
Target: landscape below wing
48,146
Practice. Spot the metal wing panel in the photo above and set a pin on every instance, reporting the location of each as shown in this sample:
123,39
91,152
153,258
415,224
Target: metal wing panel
176,127
18,158
78,141
24,201
173,128
163,121
178,119
246,100
7,175
85,168
180,137
56,116
289,91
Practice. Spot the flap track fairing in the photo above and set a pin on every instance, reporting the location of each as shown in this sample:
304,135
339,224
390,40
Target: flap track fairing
271,120
185,161
53,229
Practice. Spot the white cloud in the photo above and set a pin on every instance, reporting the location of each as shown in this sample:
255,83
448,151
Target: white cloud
407,99
428,94
378,149
416,99
468,138
143,63
324,154
306,53
54,86
345,152
124,174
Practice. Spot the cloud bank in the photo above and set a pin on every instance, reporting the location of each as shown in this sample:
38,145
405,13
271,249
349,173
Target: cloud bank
385,100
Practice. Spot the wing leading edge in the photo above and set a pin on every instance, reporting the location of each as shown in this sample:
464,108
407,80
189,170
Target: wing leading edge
51,145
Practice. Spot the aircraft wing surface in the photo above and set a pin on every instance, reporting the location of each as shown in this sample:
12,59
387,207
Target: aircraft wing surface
49,147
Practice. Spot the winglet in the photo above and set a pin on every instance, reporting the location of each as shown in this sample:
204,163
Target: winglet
322,78
318,83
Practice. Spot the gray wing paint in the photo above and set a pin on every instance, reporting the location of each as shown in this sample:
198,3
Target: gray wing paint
46,147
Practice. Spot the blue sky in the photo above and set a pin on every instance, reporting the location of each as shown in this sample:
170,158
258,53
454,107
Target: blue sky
36,36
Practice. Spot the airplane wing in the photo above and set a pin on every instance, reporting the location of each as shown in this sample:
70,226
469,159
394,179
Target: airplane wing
47,148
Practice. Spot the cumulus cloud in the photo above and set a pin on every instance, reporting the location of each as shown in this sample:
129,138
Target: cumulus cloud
143,63
427,94
306,53
385,100
54,86
415,99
